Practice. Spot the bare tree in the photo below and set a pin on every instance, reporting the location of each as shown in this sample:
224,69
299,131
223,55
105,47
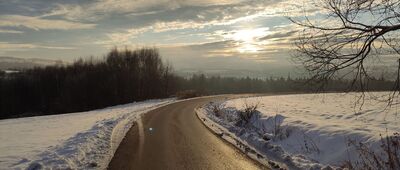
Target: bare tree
350,33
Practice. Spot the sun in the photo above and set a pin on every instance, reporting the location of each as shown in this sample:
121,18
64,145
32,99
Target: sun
247,39
248,35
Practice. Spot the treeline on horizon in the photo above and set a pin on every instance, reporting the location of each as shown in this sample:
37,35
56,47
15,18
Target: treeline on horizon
125,76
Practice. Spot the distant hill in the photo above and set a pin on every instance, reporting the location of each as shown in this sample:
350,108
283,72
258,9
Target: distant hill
14,63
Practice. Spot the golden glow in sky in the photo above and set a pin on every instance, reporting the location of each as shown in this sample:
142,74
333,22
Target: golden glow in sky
191,34
247,39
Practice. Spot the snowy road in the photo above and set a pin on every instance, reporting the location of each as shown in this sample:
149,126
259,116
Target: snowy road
172,137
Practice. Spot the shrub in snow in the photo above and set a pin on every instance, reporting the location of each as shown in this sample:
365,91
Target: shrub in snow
259,132
247,113
388,157
250,118
217,109
305,132
272,126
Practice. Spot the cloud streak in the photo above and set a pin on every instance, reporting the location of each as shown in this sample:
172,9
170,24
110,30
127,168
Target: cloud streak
10,31
101,9
26,46
37,23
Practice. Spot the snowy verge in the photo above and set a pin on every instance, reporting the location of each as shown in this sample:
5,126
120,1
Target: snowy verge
226,135
252,143
84,140
307,131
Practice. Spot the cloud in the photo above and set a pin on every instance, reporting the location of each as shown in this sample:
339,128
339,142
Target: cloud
227,49
25,46
121,38
197,15
10,31
38,23
125,37
221,56
279,35
100,9
184,30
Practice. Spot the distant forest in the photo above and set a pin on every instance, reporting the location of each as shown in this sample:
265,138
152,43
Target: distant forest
125,76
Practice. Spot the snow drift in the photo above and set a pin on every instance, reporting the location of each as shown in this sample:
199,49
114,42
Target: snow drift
85,140
309,131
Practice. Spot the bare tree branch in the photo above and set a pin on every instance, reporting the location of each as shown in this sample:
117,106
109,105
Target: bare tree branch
355,31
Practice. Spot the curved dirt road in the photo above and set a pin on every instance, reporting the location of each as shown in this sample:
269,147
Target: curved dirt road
172,137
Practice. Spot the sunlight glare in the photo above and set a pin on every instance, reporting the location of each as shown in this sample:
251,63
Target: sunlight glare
247,39
248,35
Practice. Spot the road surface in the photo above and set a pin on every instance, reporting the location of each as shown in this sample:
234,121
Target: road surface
172,137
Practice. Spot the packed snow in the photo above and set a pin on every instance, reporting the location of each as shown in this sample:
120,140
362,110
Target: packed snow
84,140
309,131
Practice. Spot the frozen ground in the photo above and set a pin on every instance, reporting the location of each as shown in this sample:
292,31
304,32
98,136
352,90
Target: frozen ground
309,131
85,140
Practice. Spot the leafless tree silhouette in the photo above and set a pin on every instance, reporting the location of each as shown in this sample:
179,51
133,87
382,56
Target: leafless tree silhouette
340,44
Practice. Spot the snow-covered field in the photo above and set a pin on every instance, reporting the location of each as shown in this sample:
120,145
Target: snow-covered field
85,140
309,131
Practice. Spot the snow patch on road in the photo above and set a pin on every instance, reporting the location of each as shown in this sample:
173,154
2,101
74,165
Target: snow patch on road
85,140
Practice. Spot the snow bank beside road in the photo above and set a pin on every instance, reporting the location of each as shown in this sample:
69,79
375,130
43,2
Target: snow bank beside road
76,140
308,131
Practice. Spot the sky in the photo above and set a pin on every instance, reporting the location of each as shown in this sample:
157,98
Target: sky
213,36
